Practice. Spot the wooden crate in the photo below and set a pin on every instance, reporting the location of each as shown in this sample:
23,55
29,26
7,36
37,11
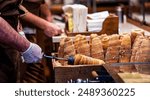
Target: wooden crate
64,74
110,26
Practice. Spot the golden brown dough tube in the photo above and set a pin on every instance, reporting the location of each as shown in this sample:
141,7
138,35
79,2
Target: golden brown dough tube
82,59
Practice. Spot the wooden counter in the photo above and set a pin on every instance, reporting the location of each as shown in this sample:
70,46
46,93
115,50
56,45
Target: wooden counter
134,77
65,73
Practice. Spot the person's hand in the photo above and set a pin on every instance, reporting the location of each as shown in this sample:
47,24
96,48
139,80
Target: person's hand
33,54
52,30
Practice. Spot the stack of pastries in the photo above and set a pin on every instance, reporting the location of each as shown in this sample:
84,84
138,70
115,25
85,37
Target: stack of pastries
125,52
96,48
141,52
134,47
66,49
81,45
112,51
137,37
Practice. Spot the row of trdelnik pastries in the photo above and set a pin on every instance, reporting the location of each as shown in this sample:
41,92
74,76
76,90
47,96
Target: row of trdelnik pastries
109,48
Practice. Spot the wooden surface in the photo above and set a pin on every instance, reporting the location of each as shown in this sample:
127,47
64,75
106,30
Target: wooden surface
57,9
113,72
138,24
110,26
64,74
134,77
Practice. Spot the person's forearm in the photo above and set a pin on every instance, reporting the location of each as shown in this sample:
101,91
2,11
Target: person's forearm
45,11
50,29
10,37
37,21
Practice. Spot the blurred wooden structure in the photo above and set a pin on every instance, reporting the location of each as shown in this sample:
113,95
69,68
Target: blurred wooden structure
110,26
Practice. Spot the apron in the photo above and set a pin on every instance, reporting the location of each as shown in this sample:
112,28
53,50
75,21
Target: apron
34,7
33,73
29,29
9,57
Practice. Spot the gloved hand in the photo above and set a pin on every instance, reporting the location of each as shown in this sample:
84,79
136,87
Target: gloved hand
33,54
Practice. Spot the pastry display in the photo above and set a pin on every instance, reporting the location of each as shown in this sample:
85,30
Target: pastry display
69,48
81,45
96,48
142,55
125,52
82,59
135,47
109,49
61,48
76,41
105,40
66,49
112,52
135,33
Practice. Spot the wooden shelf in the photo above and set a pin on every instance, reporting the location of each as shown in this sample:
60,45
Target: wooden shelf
110,26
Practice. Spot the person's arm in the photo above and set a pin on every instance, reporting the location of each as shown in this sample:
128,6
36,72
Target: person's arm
30,52
49,29
10,37
46,13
